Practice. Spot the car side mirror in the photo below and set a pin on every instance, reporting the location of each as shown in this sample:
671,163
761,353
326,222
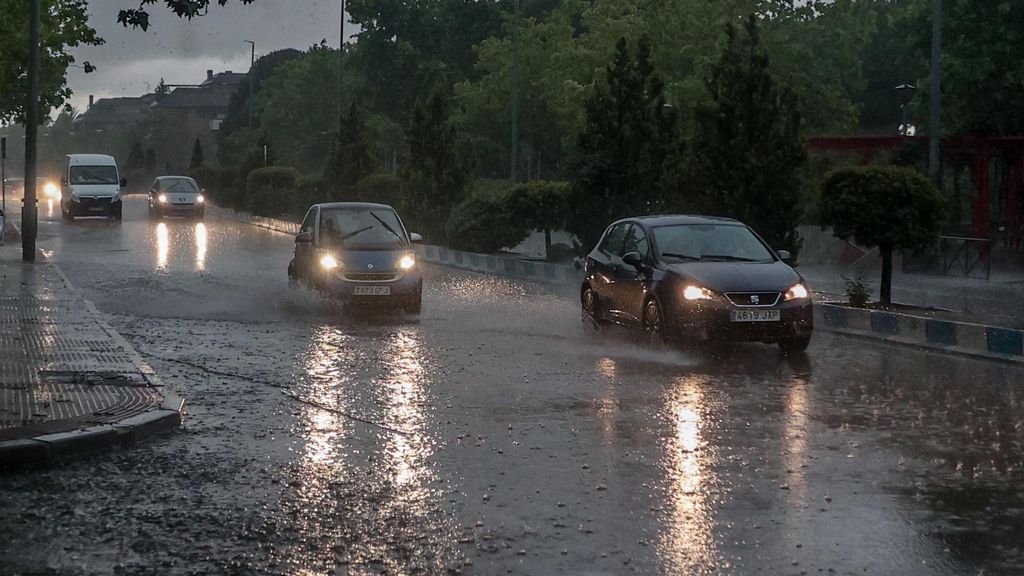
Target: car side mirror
786,256
415,238
634,259
304,238
124,182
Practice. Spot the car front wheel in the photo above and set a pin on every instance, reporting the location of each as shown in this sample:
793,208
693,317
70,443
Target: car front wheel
415,304
795,343
654,323
591,314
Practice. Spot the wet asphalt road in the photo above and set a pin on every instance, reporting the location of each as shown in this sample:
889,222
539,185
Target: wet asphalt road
493,435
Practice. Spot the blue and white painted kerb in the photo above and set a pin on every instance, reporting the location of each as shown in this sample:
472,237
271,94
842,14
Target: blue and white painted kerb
929,332
487,264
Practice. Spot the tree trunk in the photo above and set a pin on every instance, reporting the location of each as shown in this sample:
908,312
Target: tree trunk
886,293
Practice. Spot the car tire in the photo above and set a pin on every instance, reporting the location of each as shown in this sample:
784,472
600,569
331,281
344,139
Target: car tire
293,277
590,310
654,324
794,344
116,213
415,304
67,214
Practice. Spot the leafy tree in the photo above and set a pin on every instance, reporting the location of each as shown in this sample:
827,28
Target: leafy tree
64,25
197,156
888,207
485,223
747,148
150,160
269,190
139,17
622,152
437,173
349,157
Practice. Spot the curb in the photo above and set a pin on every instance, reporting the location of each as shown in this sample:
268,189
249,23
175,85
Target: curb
962,338
49,448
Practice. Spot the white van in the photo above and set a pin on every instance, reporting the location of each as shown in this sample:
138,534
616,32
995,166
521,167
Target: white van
91,186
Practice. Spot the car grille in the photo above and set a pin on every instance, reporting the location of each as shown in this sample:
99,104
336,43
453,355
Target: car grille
371,276
753,298
90,202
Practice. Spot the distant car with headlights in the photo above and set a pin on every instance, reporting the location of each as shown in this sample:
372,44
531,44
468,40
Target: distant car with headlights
176,196
698,279
91,186
360,253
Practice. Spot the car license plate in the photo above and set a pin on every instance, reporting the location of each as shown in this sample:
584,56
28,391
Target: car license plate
755,316
371,291
96,209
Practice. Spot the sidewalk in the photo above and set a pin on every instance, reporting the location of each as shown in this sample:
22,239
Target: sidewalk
68,382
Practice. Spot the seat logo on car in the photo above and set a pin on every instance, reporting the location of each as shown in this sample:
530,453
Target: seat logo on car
755,299
369,266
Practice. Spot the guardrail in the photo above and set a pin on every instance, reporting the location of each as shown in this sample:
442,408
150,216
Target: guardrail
953,256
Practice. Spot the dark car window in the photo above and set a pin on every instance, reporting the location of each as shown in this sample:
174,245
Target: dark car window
92,175
614,240
178,185
361,229
710,242
309,221
636,241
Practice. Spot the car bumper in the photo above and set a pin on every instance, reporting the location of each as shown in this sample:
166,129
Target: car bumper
179,209
405,288
94,206
713,322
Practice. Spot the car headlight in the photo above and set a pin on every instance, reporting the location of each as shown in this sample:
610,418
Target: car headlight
796,292
407,262
162,198
116,197
200,199
328,262
74,196
51,190
692,292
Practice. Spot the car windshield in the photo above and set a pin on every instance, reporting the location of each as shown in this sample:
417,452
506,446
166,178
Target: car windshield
710,242
178,185
361,228
93,175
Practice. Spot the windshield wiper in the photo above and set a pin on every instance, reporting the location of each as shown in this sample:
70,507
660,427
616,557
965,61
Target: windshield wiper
728,258
344,237
386,227
680,256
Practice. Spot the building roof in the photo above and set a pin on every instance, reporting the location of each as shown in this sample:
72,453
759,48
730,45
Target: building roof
116,111
205,96
228,78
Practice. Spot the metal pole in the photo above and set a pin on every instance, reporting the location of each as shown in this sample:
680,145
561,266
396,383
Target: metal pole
341,61
3,176
28,211
252,74
935,107
514,152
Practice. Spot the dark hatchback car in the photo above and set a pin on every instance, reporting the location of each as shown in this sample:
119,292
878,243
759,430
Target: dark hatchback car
696,279
360,253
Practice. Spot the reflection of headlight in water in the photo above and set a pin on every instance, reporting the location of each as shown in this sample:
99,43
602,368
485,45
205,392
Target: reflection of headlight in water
201,239
163,245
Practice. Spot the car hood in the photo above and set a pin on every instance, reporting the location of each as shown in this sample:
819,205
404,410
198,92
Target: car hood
101,190
739,276
369,261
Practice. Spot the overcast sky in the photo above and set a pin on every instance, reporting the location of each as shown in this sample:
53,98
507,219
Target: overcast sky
132,62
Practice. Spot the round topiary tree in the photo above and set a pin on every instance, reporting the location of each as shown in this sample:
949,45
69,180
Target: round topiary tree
884,206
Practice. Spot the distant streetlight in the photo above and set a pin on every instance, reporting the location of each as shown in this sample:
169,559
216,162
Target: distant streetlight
905,93
252,73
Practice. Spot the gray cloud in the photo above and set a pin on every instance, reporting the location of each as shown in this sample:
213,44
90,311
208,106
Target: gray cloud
180,51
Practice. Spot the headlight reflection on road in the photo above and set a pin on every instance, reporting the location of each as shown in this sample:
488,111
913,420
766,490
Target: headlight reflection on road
163,246
404,396
688,540
201,239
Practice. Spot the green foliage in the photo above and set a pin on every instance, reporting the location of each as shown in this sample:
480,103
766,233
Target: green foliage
309,189
269,191
150,160
857,292
539,205
64,25
349,158
196,160
436,174
237,116
485,223
622,151
882,206
136,158
747,149
381,188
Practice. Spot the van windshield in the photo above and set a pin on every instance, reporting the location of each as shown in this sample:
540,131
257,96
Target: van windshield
92,175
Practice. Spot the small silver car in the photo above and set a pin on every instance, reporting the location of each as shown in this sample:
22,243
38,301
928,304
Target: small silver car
176,196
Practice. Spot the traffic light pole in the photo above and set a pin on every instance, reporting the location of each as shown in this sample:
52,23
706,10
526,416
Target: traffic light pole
29,211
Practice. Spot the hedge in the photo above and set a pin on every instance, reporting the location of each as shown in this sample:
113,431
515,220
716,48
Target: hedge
269,191
382,188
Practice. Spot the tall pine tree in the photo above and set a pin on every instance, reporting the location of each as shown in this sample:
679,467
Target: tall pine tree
624,148
349,156
196,161
747,147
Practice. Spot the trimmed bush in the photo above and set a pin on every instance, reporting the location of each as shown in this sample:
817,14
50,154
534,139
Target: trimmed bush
270,191
310,189
382,188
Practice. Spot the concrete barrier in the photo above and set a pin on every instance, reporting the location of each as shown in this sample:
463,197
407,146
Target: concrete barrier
499,265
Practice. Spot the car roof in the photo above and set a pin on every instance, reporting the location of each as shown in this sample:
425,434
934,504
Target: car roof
670,219
353,205
91,160
175,178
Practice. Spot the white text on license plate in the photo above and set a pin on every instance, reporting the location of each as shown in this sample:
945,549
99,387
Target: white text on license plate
755,316
371,291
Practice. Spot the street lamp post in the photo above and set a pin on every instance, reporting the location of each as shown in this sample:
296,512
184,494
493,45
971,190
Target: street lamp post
514,152
341,62
905,93
29,209
935,88
252,74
